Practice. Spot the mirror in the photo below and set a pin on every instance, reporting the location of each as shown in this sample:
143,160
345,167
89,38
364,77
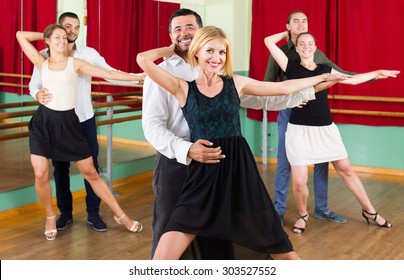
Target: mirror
15,166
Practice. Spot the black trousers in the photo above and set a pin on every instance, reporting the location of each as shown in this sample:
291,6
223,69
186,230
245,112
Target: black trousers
61,173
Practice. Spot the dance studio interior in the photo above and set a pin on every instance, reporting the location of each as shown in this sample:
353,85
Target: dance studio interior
359,36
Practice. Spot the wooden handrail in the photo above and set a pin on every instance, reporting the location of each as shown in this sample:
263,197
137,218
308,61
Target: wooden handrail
118,111
13,136
119,120
368,113
12,85
366,98
105,83
101,83
18,104
12,75
8,115
13,125
97,114
135,100
99,123
115,103
121,94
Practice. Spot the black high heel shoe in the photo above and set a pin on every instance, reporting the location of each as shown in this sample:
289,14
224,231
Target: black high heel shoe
300,230
386,224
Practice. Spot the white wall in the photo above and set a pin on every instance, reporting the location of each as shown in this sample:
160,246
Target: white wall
77,7
234,17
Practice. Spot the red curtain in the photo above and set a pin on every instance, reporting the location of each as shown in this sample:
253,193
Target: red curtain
369,37
121,29
30,15
359,36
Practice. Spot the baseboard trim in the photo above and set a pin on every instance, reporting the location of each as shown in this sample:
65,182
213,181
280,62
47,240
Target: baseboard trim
361,169
126,141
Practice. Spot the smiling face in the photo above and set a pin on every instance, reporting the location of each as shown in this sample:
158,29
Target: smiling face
297,23
55,38
212,56
183,29
72,26
306,45
210,50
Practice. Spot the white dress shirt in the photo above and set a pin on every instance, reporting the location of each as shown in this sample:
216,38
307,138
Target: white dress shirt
83,105
164,124
276,103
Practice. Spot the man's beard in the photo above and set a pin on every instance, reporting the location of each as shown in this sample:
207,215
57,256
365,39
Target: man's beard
71,41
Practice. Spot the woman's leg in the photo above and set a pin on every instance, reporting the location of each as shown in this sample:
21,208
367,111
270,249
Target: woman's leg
301,194
101,188
44,190
354,184
172,244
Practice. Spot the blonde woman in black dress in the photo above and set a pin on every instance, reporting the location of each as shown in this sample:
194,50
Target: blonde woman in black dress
55,131
227,200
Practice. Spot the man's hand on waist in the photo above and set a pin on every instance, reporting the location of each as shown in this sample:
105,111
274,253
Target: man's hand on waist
202,152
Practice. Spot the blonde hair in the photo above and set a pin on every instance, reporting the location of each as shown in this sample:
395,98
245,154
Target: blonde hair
203,36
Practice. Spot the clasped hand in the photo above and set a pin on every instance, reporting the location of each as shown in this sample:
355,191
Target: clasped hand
202,151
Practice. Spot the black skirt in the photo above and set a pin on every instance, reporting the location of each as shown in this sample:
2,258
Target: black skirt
229,201
57,135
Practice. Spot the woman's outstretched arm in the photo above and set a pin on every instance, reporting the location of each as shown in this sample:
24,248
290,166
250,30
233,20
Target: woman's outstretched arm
246,85
86,68
368,76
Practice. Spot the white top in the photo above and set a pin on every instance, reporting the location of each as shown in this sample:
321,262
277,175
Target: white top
83,106
164,124
62,84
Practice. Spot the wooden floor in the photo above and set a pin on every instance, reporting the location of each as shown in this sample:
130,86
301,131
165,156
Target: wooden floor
22,238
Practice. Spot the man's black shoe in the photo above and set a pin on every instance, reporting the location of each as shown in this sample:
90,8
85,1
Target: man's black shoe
96,223
63,221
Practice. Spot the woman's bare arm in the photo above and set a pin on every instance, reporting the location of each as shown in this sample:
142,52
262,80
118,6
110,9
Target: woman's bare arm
25,38
246,85
177,87
86,68
279,56
368,76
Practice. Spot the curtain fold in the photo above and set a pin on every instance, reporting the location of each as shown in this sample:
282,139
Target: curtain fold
29,15
370,36
359,36
119,30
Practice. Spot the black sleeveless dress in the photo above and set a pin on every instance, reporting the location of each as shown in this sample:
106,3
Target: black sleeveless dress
227,200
